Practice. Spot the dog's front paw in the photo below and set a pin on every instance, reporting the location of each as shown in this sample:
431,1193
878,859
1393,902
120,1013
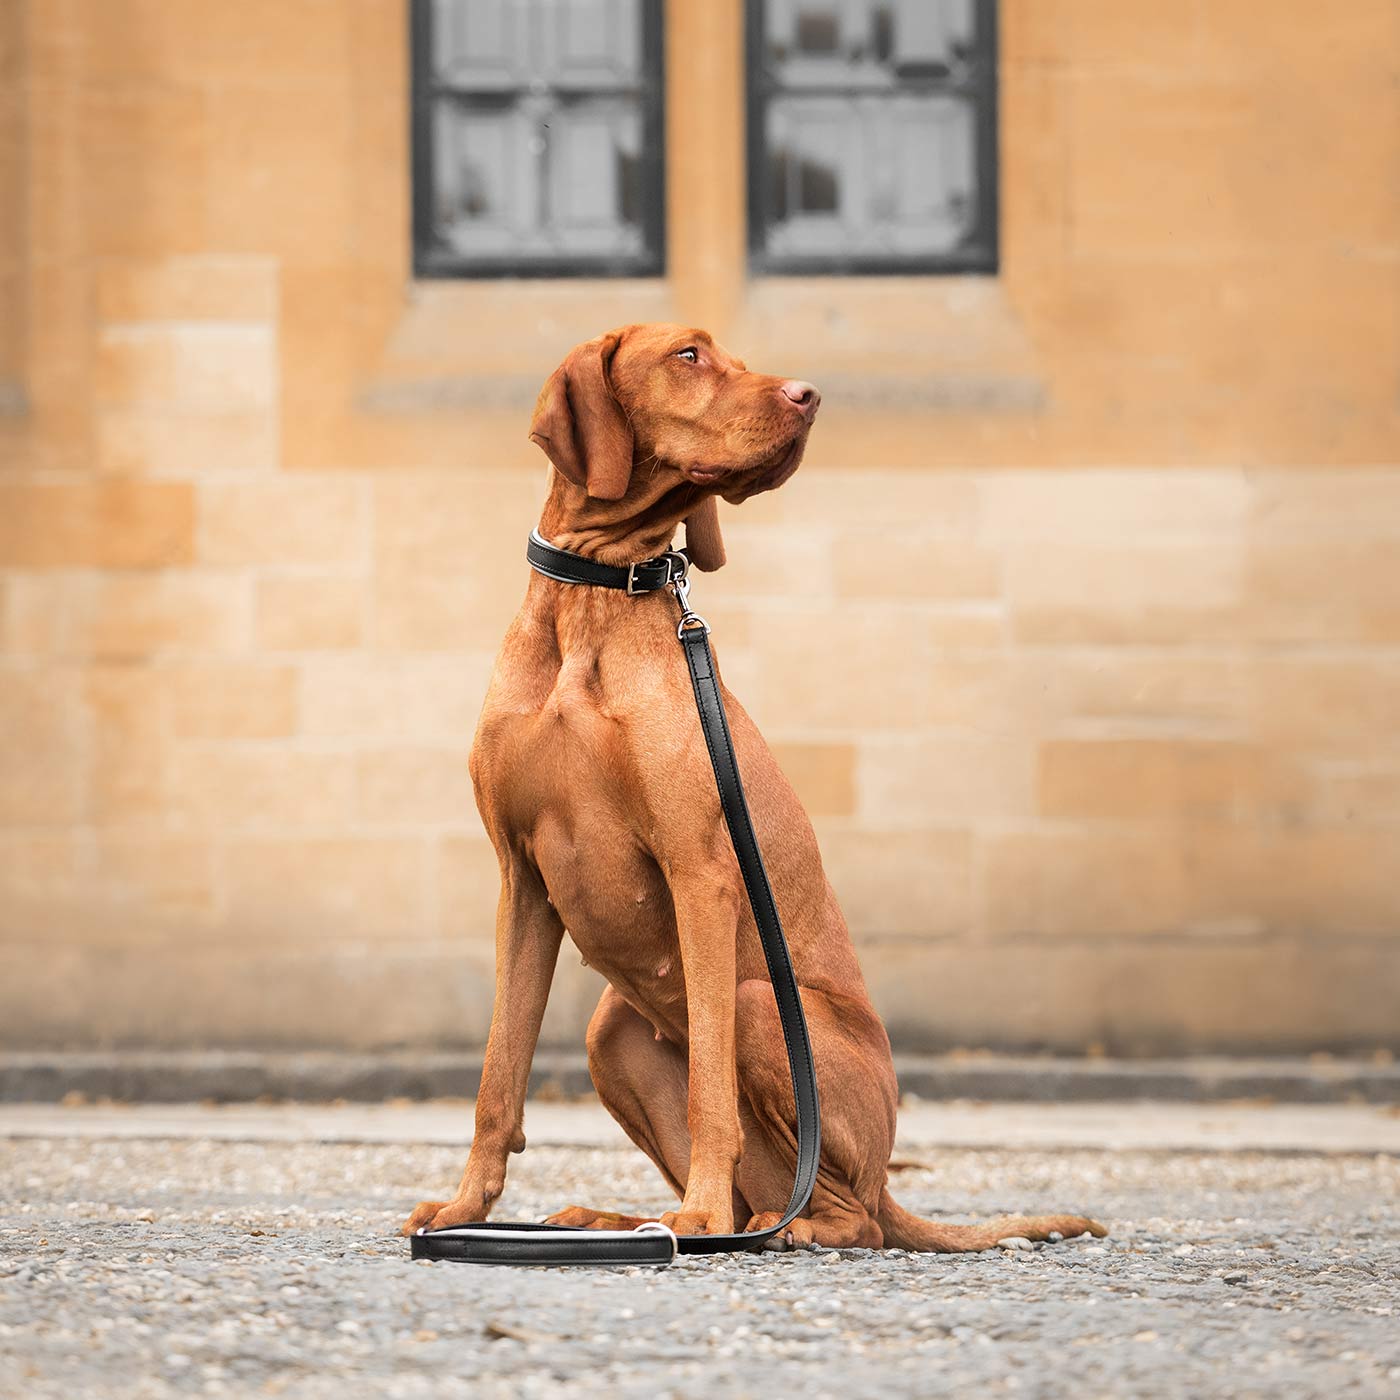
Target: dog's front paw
438,1215
696,1222
708,1208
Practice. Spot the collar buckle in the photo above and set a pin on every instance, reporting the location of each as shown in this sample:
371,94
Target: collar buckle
676,566
632,589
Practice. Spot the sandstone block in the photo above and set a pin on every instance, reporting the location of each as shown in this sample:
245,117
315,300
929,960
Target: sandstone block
1144,778
823,776
176,611
248,785
1086,883
415,786
900,884
468,882
208,367
233,702
410,699
917,566
310,614
936,781
336,891
281,520
187,289
151,441
40,777
110,525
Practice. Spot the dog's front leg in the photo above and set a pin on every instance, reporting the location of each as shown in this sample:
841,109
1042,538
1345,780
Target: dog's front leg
528,934
707,911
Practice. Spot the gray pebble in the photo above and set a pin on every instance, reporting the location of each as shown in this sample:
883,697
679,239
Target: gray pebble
104,1304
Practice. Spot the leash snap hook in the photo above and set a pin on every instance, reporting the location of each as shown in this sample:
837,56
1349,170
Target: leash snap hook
678,565
681,588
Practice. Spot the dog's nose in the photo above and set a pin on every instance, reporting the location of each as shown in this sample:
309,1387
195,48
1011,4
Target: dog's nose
803,395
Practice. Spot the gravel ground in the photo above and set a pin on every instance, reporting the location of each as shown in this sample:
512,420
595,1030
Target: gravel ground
171,1267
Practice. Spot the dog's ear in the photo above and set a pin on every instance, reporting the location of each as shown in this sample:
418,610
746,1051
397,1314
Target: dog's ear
580,424
703,541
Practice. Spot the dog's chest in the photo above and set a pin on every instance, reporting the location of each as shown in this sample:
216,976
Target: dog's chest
557,760
559,782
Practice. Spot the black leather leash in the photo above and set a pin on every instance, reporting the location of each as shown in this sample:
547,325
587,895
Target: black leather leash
510,1242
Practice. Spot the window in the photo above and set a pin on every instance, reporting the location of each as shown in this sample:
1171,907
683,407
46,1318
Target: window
861,135
537,132
872,136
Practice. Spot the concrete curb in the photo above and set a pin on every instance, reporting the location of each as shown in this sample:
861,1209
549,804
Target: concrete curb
925,1128
244,1076
1195,1080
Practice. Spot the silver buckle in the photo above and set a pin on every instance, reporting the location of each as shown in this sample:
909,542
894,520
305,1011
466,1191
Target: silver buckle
677,566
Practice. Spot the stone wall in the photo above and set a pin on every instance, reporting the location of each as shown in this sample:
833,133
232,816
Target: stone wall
1114,757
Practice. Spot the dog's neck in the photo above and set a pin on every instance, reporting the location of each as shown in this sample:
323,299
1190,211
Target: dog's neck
639,526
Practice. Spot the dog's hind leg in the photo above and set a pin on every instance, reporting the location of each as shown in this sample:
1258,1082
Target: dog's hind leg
850,1206
643,1082
858,1106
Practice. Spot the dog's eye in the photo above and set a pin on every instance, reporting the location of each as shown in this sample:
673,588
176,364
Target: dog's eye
689,354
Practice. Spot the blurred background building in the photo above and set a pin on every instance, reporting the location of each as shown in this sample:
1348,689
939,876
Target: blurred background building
1102,512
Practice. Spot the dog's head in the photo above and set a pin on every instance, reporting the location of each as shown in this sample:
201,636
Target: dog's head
668,404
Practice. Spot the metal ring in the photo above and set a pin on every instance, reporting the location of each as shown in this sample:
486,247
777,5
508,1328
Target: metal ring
686,620
655,1227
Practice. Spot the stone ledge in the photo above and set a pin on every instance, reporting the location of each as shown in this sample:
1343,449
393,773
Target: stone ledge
246,1076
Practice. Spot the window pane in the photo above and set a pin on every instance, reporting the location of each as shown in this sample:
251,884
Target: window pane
538,134
872,135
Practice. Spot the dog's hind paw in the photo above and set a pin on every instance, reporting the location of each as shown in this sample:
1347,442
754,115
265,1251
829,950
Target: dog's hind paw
798,1234
582,1218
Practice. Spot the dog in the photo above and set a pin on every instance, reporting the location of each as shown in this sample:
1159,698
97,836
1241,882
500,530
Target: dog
594,784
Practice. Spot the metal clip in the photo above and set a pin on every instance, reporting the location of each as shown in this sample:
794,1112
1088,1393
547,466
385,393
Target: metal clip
655,1227
681,588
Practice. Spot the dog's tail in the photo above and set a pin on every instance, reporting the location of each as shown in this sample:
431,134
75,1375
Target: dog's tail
905,1231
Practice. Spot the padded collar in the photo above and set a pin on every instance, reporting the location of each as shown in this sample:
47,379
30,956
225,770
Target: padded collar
645,576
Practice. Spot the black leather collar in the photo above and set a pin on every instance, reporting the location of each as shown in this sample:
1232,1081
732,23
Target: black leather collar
646,576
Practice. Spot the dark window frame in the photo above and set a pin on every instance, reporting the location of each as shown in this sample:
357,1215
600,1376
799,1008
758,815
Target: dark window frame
981,254
432,260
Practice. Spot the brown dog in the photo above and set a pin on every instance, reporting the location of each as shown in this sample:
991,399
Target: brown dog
595,787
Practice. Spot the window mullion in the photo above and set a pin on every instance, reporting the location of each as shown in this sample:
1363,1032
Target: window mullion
705,158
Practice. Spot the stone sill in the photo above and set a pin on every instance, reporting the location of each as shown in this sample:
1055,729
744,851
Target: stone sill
926,345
